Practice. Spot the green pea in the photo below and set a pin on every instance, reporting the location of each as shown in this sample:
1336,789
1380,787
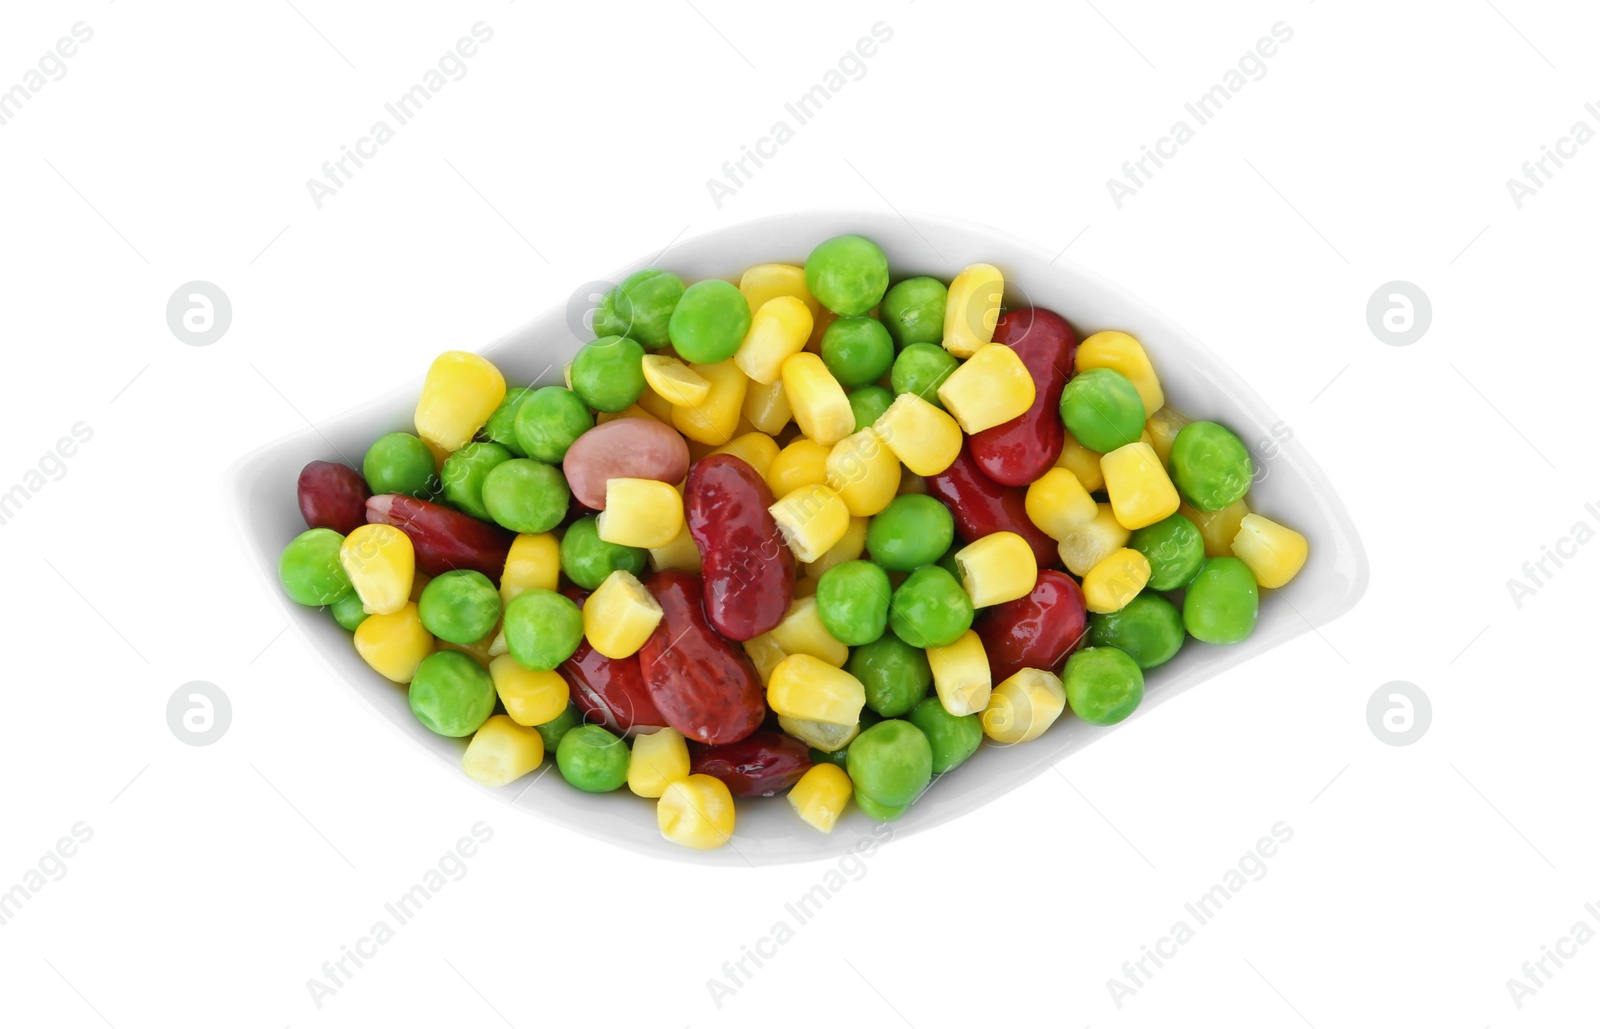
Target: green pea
825,757
1210,466
922,368
463,474
310,571
550,421
930,609
853,602
556,728
542,629
1102,410
349,611
1220,604
894,674
399,463
890,763
1174,548
1103,685
460,606
954,738
451,694
525,495
640,308
847,274
608,373
857,350
868,404
709,322
592,759
914,530
1148,629
587,559
501,427
913,311
879,812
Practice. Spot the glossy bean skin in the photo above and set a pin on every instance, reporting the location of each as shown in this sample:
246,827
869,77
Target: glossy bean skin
1039,630
628,448
982,506
611,691
444,539
704,686
746,569
332,496
1017,452
759,765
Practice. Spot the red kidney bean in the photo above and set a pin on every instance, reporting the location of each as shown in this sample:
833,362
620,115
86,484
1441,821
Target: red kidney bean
1017,452
704,686
444,539
759,765
628,448
333,496
746,569
610,691
1035,631
982,506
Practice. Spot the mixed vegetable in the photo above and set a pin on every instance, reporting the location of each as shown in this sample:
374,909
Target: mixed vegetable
811,533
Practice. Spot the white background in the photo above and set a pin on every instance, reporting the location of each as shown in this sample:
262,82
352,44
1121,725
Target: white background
1377,147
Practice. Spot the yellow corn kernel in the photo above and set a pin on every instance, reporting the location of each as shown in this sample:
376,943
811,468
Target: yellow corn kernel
381,563
478,650
1058,504
419,582
755,449
439,455
802,632
1024,706
394,644
997,568
864,472
826,738
715,419
778,330
1162,428
658,759
620,615
821,408
498,644
762,282
682,553
804,462
812,519
696,811
632,411
804,687
1218,528
819,324
924,438
1275,553
849,547
971,309
1140,492
1122,353
820,796
459,394
1082,462
1117,579
805,587
765,653
961,675
640,513
767,407
501,752
655,405
532,563
530,697
674,381
1084,548
989,388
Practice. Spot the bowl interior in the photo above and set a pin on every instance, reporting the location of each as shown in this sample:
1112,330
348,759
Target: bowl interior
1290,487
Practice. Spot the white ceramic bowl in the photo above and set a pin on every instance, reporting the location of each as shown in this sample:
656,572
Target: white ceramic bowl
1292,489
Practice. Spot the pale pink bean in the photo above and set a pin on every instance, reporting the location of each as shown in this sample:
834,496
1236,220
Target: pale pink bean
627,448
